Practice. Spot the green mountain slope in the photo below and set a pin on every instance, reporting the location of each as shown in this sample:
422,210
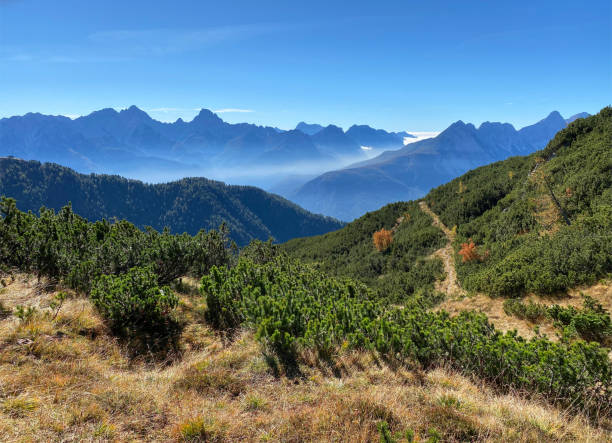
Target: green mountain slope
539,223
350,252
544,221
187,205
304,318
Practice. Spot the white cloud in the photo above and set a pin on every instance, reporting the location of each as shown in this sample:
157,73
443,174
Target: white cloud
224,110
419,135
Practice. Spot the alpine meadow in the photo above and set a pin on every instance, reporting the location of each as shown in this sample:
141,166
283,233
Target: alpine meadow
271,268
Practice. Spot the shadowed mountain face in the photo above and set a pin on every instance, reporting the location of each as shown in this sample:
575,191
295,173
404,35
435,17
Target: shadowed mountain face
377,138
187,205
410,172
333,141
308,129
129,142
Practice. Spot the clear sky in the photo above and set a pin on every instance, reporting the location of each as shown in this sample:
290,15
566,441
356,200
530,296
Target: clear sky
405,65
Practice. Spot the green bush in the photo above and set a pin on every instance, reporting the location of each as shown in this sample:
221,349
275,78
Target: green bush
67,247
497,207
133,302
592,322
533,312
394,275
290,305
293,307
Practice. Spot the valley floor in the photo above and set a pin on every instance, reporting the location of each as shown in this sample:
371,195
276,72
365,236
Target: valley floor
63,377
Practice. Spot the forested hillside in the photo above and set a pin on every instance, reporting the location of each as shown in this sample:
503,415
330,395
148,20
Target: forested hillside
183,337
538,223
402,268
186,205
543,221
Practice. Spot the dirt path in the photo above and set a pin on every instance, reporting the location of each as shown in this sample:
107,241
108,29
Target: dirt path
450,285
457,300
398,222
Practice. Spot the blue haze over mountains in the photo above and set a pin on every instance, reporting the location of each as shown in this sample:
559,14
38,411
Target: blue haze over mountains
292,163
131,143
410,172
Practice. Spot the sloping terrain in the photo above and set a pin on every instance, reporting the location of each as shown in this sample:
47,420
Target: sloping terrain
449,285
65,377
543,221
409,173
187,205
536,227
539,223
356,335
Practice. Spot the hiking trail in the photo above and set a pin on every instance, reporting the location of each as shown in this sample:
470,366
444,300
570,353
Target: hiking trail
450,285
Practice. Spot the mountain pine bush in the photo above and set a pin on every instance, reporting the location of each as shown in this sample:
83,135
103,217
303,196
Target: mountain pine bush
292,307
133,301
499,212
67,247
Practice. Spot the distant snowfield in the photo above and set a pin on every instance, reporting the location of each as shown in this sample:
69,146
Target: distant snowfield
419,135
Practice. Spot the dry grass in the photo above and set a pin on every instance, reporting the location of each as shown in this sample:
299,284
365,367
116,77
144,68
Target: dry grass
67,379
494,307
457,299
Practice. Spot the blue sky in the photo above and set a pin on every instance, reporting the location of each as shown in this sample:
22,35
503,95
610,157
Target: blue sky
405,65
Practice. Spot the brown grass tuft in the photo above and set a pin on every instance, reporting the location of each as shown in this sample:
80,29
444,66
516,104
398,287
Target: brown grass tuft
68,379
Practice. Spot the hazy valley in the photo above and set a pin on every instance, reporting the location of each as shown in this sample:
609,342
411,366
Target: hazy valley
305,221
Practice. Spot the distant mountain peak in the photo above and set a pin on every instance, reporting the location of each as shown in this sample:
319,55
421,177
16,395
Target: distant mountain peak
365,135
333,129
133,110
577,116
554,116
494,125
360,127
135,113
457,124
104,112
207,116
458,127
206,113
309,128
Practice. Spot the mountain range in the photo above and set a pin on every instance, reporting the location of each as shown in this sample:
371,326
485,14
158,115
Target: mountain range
411,171
129,142
322,168
187,205
364,135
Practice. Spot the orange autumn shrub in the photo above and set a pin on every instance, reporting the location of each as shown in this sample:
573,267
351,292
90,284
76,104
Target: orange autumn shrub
382,239
468,252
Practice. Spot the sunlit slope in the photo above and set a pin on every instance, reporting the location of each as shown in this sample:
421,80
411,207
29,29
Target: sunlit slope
539,223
